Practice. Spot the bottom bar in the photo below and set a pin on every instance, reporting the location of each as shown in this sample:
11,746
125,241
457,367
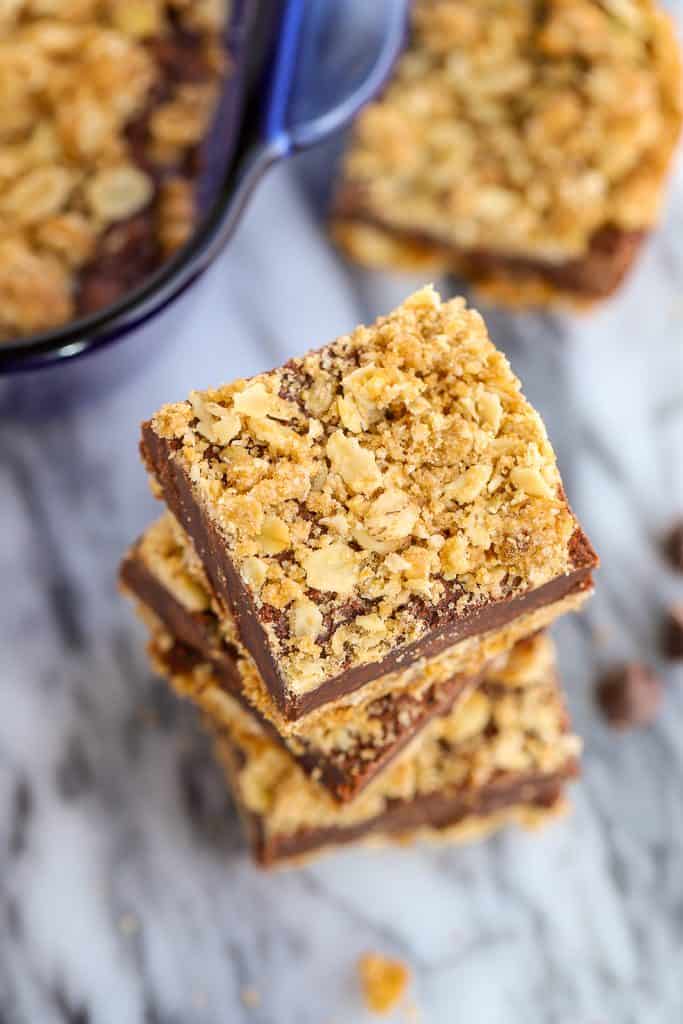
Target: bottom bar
503,755
528,802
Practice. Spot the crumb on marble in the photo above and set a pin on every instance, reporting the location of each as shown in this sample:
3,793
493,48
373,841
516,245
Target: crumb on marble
250,997
383,980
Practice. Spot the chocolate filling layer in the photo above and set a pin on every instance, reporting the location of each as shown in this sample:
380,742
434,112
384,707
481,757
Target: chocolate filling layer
436,811
445,627
595,275
345,775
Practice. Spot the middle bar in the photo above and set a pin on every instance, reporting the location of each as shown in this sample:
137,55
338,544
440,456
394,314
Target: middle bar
344,744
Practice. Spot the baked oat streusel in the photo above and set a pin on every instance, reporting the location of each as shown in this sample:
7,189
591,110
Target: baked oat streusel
522,142
103,104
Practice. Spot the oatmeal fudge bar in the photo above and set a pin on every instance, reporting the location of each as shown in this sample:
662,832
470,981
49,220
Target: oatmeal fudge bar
504,755
371,504
343,745
104,105
523,144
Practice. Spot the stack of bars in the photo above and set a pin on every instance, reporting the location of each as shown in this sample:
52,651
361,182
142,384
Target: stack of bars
361,552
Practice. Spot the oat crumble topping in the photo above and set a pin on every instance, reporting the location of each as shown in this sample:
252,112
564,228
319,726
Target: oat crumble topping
378,487
520,126
97,121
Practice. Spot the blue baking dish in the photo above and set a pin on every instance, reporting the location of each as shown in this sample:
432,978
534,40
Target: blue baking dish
302,70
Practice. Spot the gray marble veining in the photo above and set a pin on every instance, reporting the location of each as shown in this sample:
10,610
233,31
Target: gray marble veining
125,892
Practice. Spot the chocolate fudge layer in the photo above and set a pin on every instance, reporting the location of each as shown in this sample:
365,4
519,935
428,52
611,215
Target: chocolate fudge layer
372,503
103,109
528,802
522,144
506,748
509,280
343,745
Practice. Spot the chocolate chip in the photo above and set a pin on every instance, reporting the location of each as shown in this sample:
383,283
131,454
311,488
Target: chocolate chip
673,632
126,255
182,58
674,546
629,695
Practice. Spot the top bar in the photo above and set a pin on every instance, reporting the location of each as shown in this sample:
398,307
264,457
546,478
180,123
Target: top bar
371,503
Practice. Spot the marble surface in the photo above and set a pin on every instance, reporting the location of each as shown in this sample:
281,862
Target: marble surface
125,891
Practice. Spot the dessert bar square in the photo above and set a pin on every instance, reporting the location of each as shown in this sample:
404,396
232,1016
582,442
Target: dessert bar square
343,745
372,503
522,144
504,755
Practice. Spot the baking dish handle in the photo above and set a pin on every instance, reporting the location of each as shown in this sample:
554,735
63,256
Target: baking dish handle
332,58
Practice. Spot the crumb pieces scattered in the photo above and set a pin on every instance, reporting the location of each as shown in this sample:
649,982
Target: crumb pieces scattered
630,695
129,923
250,997
384,982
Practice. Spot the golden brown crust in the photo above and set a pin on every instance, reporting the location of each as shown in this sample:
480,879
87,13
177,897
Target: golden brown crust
393,479
519,128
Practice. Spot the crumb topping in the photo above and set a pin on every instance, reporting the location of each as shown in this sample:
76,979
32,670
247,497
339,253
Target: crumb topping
377,488
384,981
522,126
499,732
77,80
